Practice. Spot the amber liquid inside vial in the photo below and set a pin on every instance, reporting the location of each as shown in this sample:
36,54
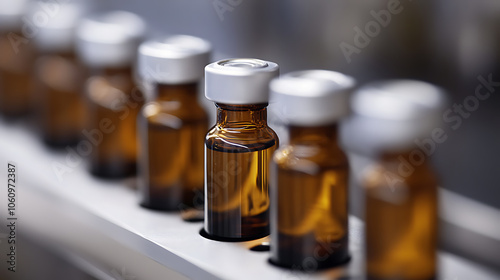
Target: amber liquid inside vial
173,129
16,75
113,107
238,153
401,220
309,189
61,111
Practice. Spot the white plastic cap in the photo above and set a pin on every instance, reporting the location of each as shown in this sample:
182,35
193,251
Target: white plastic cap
177,59
239,80
391,115
312,97
110,39
56,30
11,12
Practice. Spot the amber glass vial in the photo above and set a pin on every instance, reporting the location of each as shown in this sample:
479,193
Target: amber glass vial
238,150
59,92
107,44
400,186
17,58
309,185
173,126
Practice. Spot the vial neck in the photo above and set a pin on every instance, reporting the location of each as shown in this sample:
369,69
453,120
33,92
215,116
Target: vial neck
315,135
241,115
181,93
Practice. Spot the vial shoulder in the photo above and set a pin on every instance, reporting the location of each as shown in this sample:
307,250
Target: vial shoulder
14,59
115,92
59,73
174,108
164,114
229,140
296,156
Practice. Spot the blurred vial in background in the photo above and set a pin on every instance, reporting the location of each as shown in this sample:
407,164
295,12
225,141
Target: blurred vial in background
238,149
60,76
17,55
173,126
309,176
390,118
107,44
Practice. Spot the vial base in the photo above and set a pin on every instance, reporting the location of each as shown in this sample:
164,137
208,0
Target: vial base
307,254
113,170
310,220
250,228
58,143
170,198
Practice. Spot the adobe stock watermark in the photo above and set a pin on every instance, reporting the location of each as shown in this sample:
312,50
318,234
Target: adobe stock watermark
453,116
223,6
362,37
31,24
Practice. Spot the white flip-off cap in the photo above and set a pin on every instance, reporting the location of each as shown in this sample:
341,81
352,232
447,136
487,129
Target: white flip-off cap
176,59
11,13
56,32
110,39
391,115
312,97
239,81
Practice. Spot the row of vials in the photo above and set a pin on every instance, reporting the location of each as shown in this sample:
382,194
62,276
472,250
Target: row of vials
84,86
